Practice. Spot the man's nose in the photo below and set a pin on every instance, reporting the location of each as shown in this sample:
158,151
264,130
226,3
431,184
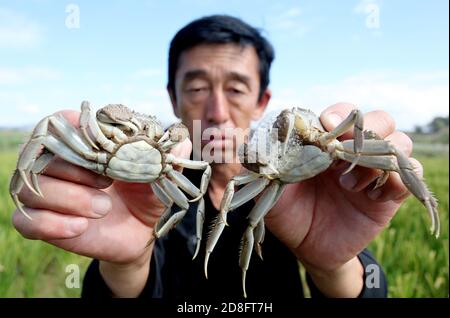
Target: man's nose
217,111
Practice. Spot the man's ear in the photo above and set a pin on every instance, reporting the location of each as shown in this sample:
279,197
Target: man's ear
173,100
262,104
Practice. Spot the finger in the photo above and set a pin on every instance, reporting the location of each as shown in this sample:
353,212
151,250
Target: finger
394,189
61,169
359,178
47,225
378,121
72,116
183,149
332,116
401,141
67,198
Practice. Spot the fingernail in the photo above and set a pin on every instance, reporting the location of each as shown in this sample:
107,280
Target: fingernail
348,181
375,194
76,226
334,119
101,204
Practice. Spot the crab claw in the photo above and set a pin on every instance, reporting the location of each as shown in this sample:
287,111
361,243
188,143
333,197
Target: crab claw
353,165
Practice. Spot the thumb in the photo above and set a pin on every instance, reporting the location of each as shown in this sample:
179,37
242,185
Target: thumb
183,149
335,114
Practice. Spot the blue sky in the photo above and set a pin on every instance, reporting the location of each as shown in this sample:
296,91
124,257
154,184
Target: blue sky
390,55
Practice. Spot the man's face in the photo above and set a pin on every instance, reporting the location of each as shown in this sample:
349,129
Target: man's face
217,88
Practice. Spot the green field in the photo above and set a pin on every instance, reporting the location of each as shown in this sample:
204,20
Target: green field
415,262
29,268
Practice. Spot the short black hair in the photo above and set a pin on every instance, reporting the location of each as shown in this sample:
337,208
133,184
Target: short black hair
221,29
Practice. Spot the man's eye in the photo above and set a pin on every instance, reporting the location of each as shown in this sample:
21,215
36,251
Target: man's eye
236,91
196,89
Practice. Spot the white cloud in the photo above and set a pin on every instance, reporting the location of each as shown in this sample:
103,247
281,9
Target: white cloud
18,109
363,7
29,109
412,99
146,73
287,21
29,74
371,10
293,12
16,31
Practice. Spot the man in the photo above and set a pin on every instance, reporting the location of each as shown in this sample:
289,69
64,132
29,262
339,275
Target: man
219,75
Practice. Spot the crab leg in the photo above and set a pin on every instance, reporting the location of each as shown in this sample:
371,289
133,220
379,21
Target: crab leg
165,199
354,118
39,165
171,223
183,182
28,156
261,208
162,196
163,219
84,123
112,132
175,195
57,146
88,124
69,135
67,148
196,165
230,201
259,232
245,194
380,154
173,135
15,186
167,202
200,220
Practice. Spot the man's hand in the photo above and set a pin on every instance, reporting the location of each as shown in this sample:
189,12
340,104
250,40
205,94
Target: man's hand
92,215
327,220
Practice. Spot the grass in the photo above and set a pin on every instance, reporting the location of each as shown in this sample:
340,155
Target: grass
10,139
415,263
30,268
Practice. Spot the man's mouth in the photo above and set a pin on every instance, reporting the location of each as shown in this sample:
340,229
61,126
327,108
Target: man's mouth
219,140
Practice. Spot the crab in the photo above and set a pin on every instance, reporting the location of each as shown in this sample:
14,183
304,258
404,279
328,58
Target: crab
300,149
121,144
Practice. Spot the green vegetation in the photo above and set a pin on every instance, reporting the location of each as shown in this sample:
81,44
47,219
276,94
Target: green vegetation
11,139
416,264
29,268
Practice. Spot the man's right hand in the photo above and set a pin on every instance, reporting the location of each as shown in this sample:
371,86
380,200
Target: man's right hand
92,215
